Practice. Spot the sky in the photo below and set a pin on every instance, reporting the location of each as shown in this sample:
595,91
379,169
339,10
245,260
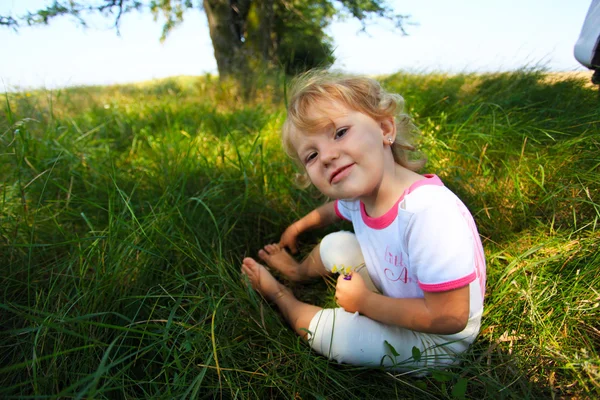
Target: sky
447,36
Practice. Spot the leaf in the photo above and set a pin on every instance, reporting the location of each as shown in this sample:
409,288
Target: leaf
421,385
416,354
392,349
460,389
440,376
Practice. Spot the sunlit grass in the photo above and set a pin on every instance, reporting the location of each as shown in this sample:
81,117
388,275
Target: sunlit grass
126,211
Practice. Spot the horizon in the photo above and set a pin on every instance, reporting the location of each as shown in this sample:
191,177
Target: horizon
496,36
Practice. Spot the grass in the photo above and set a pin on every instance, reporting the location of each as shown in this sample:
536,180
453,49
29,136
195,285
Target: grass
126,211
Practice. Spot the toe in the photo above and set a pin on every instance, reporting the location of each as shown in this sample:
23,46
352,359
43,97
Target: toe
251,268
246,271
263,254
271,248
248,262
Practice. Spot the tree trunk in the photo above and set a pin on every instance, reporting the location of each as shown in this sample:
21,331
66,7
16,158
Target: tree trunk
226,23
266,35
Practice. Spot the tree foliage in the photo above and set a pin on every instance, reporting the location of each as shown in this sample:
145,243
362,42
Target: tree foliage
247,35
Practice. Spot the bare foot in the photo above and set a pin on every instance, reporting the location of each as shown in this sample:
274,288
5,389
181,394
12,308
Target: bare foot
279,259
262,280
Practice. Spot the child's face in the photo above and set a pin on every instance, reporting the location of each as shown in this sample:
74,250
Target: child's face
346,159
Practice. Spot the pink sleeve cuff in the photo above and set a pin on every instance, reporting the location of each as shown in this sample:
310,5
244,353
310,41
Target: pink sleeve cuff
337,210
443,287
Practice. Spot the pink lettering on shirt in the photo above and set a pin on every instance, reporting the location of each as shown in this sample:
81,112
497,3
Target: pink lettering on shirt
394,259
400,270
402,276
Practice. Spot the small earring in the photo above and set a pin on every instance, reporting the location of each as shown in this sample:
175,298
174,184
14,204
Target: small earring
390,141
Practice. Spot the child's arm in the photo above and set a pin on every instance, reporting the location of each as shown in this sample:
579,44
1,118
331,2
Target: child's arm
439,312
317,218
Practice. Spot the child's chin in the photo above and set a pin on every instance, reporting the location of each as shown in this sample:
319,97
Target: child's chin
339,192
343,196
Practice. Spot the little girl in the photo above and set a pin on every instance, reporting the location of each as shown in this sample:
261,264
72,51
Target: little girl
413,271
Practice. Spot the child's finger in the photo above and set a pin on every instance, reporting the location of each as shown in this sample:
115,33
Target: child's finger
342,279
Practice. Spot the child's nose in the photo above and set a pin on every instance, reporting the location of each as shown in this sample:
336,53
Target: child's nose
329,154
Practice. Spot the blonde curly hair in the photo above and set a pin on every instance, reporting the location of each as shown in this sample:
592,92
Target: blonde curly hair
360,94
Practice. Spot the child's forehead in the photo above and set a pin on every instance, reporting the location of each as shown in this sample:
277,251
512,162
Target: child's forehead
327,109
318,118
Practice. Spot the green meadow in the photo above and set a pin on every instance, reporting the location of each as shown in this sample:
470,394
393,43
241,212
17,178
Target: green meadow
125,212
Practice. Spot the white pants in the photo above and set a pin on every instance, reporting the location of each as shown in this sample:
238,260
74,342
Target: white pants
355,339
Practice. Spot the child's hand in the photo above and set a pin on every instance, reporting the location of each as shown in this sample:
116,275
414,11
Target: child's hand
289,238
349,294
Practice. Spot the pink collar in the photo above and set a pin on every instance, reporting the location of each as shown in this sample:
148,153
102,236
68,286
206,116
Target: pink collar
386,219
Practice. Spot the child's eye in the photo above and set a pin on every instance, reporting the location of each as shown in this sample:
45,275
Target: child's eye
340,132
310,157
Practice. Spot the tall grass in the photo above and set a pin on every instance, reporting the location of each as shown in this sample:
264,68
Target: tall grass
125,212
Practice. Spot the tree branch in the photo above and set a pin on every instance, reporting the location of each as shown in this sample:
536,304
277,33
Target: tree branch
363,10
75,9
9,22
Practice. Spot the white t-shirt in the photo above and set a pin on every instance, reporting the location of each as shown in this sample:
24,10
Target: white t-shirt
427,242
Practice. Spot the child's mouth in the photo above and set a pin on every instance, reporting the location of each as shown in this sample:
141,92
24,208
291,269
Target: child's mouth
341,173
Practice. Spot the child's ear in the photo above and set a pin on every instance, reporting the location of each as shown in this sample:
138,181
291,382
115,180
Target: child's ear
388,128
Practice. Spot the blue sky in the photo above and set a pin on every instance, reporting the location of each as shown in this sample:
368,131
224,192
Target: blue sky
450,36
